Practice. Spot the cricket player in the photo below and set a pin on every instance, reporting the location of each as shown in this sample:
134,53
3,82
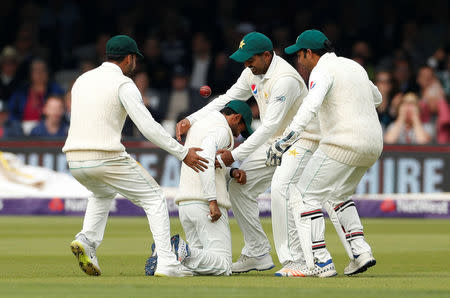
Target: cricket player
342,97
278,90
203,197
101,100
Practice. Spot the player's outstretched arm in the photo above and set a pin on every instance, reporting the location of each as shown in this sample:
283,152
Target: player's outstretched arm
131,100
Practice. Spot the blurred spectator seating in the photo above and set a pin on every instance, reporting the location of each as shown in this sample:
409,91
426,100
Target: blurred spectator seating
53,124
408,128
26,102
8,128
9,63
435,110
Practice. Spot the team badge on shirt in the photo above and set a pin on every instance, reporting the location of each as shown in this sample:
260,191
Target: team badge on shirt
281,98
254,90
312,84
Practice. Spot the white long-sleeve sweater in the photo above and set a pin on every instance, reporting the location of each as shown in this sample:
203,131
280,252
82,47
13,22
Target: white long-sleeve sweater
278,93
343,97
101,100
210,133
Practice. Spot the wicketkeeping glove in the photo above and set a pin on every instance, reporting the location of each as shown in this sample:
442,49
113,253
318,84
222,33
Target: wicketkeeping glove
275,152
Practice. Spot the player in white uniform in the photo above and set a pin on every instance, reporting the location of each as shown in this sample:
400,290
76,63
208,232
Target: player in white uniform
342,97
203,197
278,90
101,100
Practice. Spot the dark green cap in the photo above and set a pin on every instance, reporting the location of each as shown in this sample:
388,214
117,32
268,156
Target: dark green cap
241,107
252,44
122,45
309,39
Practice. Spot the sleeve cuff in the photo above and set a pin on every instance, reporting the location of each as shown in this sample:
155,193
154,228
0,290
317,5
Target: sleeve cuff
184,153
212,199
191,119
235,155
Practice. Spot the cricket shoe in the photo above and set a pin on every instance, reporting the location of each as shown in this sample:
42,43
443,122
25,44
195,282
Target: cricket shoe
180,248
291,269
151,263
246,264
325,269
360,264
84,251
177,270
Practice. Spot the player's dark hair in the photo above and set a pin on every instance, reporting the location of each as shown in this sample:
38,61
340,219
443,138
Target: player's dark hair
271,53
115,58
328,48
228,111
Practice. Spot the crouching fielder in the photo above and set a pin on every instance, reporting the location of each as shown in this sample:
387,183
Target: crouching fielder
203,198
342,96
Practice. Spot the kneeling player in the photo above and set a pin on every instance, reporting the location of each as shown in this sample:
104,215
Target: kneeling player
203,197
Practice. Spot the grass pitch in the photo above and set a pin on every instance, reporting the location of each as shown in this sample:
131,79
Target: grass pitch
413,260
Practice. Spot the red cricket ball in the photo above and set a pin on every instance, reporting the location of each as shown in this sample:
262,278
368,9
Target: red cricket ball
205,91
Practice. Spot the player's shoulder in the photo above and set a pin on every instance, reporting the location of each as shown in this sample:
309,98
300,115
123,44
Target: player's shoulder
247,73
282,62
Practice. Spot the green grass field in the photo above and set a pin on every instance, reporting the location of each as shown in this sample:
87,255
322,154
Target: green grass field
413,260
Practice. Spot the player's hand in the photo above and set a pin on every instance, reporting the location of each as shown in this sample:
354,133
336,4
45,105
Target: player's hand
195,161
226,156
240,176
214,211
182,128
275,152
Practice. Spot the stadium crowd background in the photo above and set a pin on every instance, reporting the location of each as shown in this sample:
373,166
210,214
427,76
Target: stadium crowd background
45,45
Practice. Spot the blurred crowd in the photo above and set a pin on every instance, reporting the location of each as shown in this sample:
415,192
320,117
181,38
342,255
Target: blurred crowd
46,45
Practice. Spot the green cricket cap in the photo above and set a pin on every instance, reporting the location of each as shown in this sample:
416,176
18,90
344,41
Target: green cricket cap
122,45
252,44
241,107
309,39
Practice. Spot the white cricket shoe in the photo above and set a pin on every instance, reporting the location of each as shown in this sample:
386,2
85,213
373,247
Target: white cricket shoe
290,269
360,264
325,269
85,254
180,248
173,271
246,264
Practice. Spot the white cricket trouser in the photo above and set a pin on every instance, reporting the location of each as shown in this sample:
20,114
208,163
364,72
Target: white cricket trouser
209,242
285,236
105,178
325,179
244,203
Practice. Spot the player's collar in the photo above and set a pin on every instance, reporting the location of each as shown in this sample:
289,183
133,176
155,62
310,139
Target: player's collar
272,67
325,57
112,66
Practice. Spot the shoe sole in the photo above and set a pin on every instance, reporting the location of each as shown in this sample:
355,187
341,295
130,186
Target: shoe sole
364,267
328,274
159,274
150,266
83,260
255,269
286,275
